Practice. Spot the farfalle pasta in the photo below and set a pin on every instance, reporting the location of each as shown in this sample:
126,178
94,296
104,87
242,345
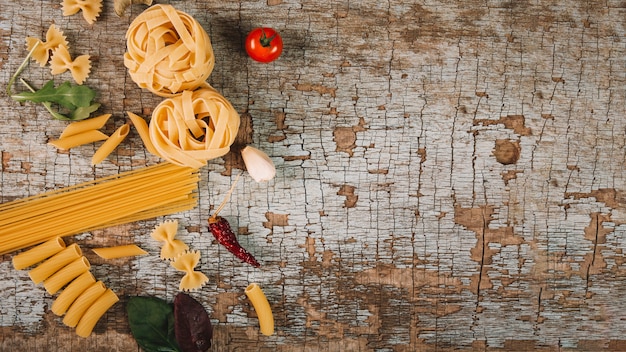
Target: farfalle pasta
165,233
91,8
54,39
61,61
168,51
191,128
193,279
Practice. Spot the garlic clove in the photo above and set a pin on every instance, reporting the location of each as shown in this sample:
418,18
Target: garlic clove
258,164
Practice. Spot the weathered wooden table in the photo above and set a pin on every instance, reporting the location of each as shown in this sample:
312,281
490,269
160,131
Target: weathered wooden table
450,176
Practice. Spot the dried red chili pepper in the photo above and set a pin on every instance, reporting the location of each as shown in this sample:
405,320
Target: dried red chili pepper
220,228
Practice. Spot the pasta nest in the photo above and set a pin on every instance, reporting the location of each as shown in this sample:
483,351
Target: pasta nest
168,51
194,127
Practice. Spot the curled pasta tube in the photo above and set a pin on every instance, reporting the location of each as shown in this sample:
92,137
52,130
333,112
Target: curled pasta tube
262,307
194,127
38,253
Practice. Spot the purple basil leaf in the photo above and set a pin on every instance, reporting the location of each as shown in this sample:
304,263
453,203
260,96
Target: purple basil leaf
192,324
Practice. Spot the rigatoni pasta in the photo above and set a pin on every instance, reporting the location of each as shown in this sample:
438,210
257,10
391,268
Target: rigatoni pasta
71,292
262,307
129,250
54,263
96,310
66,274
82,302
38,253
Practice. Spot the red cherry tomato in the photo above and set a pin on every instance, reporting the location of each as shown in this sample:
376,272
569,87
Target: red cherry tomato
264,44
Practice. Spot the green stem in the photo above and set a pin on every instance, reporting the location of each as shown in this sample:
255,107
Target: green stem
265,41
47,105
21,68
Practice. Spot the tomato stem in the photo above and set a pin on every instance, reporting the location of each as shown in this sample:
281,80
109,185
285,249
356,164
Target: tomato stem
265,41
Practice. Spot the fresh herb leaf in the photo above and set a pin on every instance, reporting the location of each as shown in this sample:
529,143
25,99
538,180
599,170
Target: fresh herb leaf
192,324
81,113
67,95
151,322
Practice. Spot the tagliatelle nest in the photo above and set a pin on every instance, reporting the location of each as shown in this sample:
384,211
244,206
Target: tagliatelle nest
193,127
168,51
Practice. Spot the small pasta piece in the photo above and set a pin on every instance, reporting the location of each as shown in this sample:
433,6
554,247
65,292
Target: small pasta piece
78,127
71,292
95,312
38,253
142,128
91,8
110,144
262,308
193,279
55,263
165,233
129,250
82,302
54,39
66,274
61,61
78,139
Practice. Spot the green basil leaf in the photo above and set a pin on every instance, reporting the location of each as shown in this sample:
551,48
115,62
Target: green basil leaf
67,95
151,322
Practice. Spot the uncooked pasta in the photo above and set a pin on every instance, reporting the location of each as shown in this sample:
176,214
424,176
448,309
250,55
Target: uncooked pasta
127,197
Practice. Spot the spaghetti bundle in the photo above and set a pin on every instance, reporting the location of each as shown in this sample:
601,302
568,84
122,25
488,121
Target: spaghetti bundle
130,196
168,51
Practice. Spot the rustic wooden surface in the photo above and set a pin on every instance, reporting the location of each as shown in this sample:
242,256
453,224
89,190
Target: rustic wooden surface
449,176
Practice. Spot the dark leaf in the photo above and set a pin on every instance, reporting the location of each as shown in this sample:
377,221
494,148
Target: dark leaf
192,324
151,322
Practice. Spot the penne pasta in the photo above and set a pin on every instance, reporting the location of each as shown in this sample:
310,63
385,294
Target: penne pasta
66,274
82,302
262,307
78,127
78,139
129,250
71,292
54,263
110,144
95,312
143,130
38,253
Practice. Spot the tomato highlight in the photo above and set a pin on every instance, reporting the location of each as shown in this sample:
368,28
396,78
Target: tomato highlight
264,44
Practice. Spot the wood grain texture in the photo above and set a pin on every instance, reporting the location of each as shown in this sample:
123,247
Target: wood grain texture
449,176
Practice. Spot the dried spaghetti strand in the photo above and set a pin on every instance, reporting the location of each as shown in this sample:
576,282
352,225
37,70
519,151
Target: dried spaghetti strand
126,197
